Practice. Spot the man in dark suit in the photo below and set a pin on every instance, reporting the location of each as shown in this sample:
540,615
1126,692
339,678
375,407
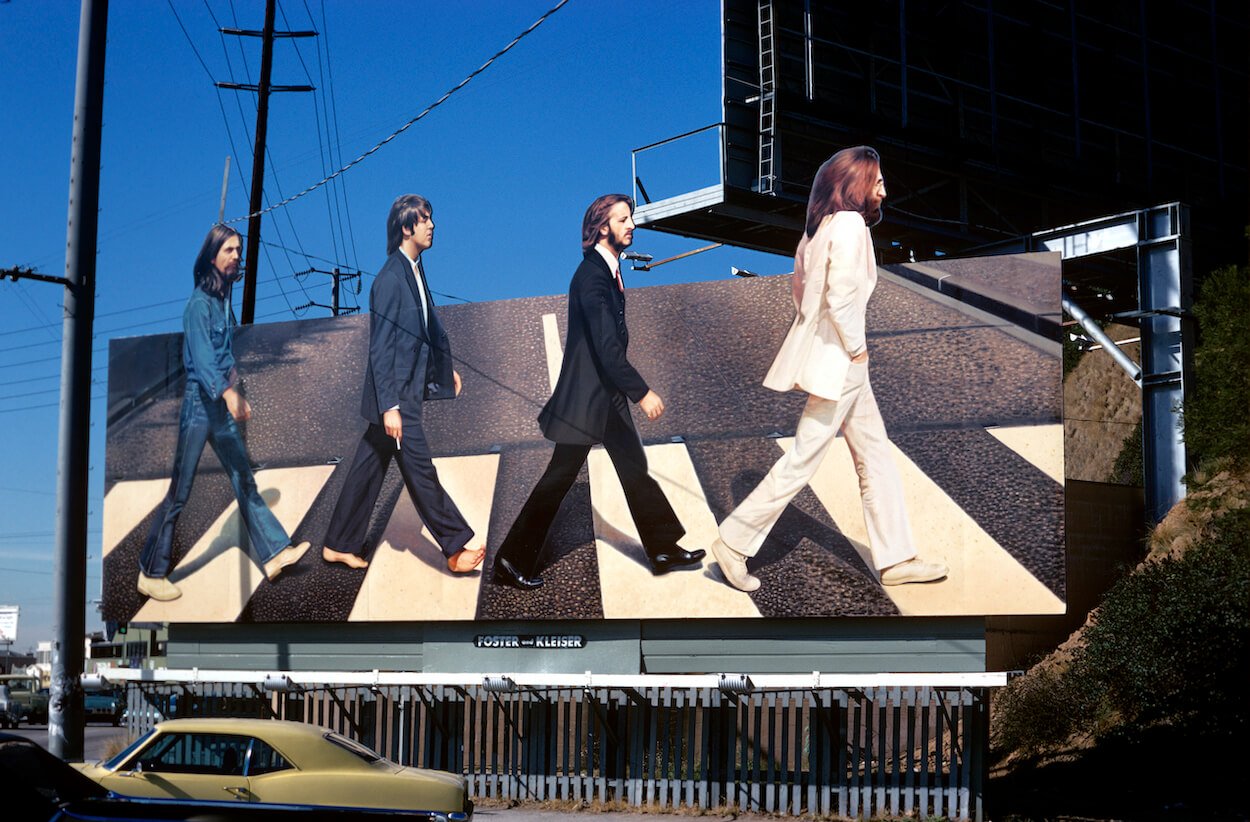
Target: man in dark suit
590,405
409,362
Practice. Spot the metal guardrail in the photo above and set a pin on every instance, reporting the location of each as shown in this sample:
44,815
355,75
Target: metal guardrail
886,749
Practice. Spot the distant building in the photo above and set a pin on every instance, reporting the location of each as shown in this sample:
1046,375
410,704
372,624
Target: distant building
138,647
12,662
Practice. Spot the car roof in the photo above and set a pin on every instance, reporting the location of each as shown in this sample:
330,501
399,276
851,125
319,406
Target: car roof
302,742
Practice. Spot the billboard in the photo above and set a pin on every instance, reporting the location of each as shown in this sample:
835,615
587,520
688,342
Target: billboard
8,623
971,401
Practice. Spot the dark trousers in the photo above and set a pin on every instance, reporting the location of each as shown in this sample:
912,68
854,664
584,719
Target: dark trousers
360,491
657,523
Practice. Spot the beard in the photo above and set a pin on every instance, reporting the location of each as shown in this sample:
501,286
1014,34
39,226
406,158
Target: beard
619,243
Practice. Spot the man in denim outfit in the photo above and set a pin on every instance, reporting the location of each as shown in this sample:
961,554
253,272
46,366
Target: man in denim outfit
210,407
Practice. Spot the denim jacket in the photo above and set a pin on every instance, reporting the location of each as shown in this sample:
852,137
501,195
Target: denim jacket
206,348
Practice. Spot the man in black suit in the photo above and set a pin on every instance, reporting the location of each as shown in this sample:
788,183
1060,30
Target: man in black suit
590,405
409,362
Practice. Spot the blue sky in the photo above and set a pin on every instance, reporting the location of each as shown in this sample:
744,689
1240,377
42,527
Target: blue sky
509,163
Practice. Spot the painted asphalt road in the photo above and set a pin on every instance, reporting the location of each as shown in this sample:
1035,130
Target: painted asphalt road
942,374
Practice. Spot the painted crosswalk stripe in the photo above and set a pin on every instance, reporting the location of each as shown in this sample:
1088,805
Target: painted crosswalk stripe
1041,445
551,343
984,578
407,578
216,576
126,505
628,588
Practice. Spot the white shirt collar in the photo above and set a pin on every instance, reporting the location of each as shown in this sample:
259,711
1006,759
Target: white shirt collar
613,261
411,262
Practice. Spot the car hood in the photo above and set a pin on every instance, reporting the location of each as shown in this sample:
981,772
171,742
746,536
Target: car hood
91,769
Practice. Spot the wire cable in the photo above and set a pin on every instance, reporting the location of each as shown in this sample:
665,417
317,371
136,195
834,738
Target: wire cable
338,140
411,122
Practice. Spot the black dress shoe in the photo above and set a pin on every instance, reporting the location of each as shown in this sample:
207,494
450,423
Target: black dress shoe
507,574
674,557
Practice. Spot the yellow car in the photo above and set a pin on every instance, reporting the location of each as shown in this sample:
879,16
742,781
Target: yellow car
262,760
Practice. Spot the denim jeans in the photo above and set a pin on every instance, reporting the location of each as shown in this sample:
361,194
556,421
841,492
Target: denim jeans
206,419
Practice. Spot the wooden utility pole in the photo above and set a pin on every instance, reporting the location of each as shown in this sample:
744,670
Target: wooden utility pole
256,201
65,707
258,168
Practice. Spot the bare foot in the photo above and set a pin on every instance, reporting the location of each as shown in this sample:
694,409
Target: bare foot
466,560
350,560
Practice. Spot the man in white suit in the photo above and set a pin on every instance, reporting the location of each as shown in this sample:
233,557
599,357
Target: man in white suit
825,354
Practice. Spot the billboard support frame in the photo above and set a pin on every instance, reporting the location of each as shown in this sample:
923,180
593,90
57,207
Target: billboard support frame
1160,236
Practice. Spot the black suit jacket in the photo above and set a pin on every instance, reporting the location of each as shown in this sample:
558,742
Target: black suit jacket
408,361
596,379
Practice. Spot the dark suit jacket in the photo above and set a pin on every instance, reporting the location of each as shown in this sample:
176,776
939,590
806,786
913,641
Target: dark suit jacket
408,362
595,378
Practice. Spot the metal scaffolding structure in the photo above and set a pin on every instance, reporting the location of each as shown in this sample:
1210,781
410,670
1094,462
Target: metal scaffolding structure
994,120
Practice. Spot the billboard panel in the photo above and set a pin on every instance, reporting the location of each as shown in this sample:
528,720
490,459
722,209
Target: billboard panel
972,404
8,623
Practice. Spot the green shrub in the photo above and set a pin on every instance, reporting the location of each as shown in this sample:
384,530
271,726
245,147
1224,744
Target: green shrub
1035,712
1128,463
1217,408
1171,643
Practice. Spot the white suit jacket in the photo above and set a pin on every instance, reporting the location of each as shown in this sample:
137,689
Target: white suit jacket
834,274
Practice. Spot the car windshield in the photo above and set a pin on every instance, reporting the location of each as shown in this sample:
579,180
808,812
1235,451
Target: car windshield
353,746
116,761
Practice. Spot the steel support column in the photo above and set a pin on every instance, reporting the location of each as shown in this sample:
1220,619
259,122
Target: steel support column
1164,299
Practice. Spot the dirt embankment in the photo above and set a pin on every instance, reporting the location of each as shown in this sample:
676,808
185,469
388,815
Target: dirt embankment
1100,407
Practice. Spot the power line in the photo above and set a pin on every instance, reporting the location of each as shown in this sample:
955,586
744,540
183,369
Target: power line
28,491
45,405
331,209
411,122
103,333
54,376
338,141
190,42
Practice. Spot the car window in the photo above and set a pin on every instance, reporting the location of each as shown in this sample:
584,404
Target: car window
353,746
205,753
264,759
118,759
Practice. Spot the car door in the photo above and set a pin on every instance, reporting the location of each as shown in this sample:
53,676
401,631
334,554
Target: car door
186,765
272,778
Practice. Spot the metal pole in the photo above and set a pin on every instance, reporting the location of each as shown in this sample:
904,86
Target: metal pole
65,708
1095,330
225,185
334,293
252,262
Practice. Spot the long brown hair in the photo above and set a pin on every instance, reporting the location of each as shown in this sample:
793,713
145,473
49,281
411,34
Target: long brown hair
207,277
845,182
597,217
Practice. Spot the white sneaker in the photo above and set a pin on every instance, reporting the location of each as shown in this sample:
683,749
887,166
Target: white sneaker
913,570
733,567
287,556
157,588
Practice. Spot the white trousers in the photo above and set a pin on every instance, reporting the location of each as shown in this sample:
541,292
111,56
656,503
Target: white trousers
880,486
